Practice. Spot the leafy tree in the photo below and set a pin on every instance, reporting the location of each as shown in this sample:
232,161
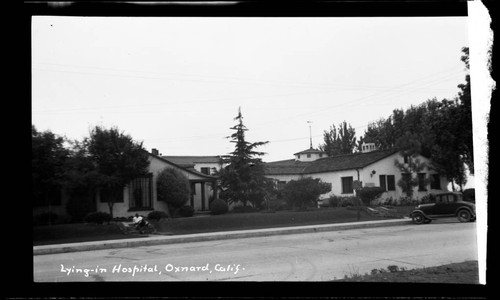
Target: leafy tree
173,188
465,118
305,191
117,159
339,142
80,181
48,159
381,133
440,130
409,180
243,178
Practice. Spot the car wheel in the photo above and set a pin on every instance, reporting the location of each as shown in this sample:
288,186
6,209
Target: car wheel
464,216
427,221
418,218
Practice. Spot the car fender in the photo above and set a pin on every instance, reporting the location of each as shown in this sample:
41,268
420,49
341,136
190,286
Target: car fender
471,211
419,211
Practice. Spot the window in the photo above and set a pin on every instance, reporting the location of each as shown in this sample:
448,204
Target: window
205,171
383,182
421,182
309,155
347,185
387,182
321,155
391,183
406,159
281,185
435,182
140,192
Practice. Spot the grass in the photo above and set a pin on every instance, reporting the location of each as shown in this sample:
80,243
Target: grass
72,233
460,273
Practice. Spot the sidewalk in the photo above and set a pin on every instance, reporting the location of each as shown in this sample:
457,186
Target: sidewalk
200,237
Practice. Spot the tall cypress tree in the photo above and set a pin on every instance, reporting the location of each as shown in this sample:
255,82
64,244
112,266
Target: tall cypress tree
243,179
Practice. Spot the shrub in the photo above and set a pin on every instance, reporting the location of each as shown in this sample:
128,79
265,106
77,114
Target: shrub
218,207
45,218
389,201
425,199
347,201
186,211
369,194
173,188
333,201
157,215
79,205
98,217
304,191
276,204
407,201
324,202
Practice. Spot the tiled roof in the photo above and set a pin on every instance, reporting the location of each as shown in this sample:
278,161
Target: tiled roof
310,150
192,160
328,164
284,167
188,169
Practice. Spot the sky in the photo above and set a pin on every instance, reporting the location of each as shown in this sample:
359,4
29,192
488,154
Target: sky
176,84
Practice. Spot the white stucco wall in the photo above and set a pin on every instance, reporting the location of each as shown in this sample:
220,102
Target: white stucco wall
156,166
385,166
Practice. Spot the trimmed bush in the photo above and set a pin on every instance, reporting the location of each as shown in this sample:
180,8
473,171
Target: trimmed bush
348,201
186,211
218,207
304,192
173,188
369,194
98,217
157,215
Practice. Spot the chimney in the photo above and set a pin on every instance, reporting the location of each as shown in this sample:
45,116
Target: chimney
154,151
368,147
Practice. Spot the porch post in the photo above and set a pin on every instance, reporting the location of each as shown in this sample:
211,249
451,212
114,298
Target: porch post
202,195
214,189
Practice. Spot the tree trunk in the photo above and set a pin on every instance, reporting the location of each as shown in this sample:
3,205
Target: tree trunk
110,206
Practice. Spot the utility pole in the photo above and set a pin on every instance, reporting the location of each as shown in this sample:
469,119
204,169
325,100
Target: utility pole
310,135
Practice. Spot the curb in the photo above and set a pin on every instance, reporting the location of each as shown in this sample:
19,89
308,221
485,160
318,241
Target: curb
200,237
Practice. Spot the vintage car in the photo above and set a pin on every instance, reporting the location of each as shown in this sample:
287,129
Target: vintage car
444,205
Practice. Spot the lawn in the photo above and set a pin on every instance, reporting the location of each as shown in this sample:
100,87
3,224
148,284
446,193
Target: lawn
71,233
461,273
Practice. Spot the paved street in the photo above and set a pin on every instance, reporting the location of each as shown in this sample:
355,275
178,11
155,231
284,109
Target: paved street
296,257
